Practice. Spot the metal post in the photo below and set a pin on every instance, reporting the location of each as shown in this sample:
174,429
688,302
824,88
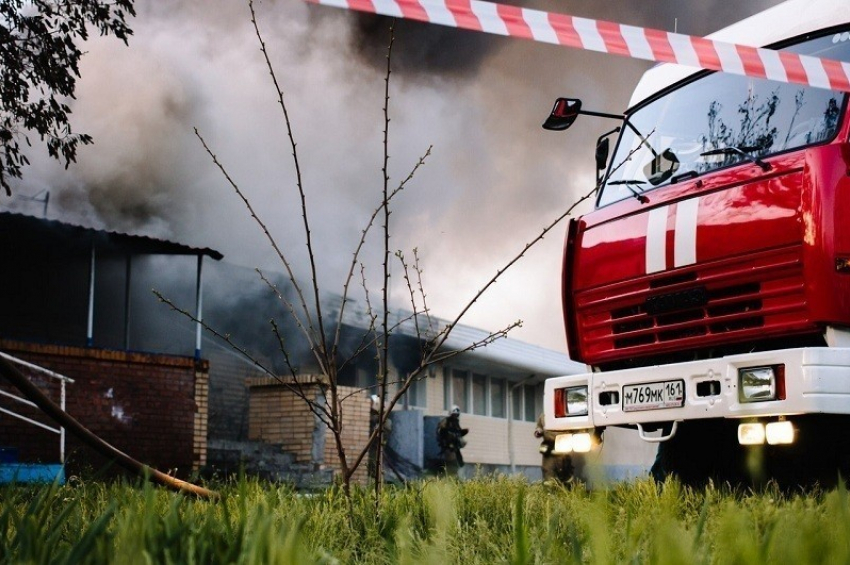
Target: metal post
62,428
512,389
127,282
511,459
90,326
199,305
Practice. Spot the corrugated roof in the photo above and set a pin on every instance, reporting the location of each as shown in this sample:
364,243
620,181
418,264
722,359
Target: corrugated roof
507,351
14,226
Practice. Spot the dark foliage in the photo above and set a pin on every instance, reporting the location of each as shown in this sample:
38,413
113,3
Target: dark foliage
39,60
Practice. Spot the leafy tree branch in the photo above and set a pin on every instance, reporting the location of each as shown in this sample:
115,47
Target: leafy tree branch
39,58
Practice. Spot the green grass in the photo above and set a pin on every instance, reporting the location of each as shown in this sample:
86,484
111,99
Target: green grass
486,520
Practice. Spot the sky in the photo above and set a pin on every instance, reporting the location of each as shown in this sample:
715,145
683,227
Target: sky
493,180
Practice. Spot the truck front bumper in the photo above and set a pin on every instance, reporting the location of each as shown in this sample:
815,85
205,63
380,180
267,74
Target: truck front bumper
816,380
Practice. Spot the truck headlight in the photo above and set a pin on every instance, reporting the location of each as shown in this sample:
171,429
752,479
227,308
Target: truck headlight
580,442
571,401
760,384
751,433
779,433
563,443
583,442
774,433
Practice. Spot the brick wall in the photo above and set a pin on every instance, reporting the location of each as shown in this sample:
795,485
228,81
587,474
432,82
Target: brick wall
277,415
228,414
200,428
152,407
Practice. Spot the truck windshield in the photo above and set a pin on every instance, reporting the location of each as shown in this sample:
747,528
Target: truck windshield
721,120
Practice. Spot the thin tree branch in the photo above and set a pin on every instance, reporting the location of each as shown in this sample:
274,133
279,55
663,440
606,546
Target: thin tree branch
307,232
269,236
441,338
384,351
355,258
242,351
320,359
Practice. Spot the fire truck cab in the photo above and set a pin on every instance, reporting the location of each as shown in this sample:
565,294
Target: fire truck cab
708,292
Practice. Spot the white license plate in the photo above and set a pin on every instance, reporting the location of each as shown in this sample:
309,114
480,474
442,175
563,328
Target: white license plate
652,396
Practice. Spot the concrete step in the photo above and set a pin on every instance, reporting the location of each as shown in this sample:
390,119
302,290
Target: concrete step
266,461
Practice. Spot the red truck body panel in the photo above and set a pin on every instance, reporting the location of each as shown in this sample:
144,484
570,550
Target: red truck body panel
737,255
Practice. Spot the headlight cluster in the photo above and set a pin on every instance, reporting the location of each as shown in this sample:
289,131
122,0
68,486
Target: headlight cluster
571,401
760,384
774,433
763,384
581,442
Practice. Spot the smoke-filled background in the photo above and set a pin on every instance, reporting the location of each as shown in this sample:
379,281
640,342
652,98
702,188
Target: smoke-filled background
493,180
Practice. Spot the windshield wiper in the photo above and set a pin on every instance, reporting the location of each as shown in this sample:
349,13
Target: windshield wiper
628,184
744,151
687,175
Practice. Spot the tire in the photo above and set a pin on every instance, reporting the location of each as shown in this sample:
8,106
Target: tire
709,450
701,451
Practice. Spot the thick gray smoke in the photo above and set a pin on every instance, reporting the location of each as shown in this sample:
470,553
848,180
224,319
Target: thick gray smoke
493,180
422,50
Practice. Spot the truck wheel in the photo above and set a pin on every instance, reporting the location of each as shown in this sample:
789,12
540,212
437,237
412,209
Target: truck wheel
819,455
701,451
709,450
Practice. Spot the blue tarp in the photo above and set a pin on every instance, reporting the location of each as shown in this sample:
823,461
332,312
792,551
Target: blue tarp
32,473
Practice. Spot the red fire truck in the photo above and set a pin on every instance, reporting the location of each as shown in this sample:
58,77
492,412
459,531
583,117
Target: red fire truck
709,290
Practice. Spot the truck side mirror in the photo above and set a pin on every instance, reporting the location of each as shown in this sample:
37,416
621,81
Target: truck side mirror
563,114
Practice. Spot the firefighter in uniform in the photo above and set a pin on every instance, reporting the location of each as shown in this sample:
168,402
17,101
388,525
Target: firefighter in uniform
451,441
556,467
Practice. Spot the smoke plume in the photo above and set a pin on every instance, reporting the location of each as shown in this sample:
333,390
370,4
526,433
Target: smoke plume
493,180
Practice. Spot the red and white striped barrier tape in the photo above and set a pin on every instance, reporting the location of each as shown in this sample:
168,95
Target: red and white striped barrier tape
614,38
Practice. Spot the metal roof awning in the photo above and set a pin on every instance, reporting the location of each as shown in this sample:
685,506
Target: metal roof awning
16,226
29,234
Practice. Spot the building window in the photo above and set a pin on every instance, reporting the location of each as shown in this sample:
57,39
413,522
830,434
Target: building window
516,402
483,395
459,395
497,398
479,394
363,378
530,401
417,394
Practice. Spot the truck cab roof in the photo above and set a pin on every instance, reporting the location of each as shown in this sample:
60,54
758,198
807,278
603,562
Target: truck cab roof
783,21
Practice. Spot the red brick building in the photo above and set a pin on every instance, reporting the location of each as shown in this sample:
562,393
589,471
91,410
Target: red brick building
152,407
69,299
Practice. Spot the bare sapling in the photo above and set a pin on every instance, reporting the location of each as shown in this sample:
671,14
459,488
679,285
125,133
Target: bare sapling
305,307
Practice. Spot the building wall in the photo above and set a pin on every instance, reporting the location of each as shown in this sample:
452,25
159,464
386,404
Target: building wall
228,414
279,416
490,439
152,407
435,394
